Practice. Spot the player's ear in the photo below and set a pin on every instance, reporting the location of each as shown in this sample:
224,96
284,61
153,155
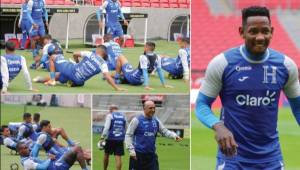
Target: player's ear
241,31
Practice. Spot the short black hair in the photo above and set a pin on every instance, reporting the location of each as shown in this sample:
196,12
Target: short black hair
36,117
47,36
10,46
19,145
103,47
151,44
254,11
44,123
3,127
26,115
185,39
107,37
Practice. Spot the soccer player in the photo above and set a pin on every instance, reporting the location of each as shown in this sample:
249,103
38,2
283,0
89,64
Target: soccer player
24,23
179,67
76,74
36,12
113,51
65,162
16,63
114,134
4,75
26,129
47,40
113,12
249,79
6,138
141,136
147,63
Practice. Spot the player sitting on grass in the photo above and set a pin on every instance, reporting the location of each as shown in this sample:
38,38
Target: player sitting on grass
76,74
46,41
26,129
179,67
6,139
147,63
48,143
64,162
113,51
15,63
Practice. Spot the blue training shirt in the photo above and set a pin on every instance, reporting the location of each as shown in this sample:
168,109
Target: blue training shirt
249,91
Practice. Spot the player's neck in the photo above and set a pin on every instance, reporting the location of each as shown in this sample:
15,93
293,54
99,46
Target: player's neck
255,57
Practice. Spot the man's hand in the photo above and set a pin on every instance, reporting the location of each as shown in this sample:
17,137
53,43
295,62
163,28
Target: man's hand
148,88
19,25
35,26
133,155
34,90
47,24
121,89
168,86
178,139
125,22
52,157
225,140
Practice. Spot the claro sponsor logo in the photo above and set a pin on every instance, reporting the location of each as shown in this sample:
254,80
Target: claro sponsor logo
248,100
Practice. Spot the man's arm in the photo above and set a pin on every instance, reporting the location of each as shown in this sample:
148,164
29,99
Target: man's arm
80,54
129,136
29,8
37,146
166,132
8,142
292,87
40,165
4,74
106,126
209,90
45,13
21,132
26,73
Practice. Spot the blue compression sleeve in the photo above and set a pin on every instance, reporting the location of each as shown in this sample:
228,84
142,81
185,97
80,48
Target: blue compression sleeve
295,105
146,78
45,14
35,150
204,112
160,75
44,165
121,14
99,14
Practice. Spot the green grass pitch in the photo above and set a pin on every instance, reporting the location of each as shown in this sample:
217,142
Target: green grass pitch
204,147
171,155
76,122
96,84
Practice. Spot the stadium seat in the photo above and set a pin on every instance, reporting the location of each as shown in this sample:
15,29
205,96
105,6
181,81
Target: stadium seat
68,2
5,1
50,2
16,1
129,42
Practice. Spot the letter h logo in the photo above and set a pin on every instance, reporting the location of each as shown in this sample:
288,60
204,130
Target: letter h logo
271,74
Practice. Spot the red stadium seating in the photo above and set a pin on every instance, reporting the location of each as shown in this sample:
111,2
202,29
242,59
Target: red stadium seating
213,34
152,3
5,1
271,4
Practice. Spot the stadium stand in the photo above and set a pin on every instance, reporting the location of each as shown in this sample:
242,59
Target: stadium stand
173,112
213,34
149,3
48,2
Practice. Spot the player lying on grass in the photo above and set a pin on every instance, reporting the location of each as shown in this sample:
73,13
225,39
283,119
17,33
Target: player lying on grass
113,13
76,74
249,80
64,162
179,67
147,63
14,63
6,139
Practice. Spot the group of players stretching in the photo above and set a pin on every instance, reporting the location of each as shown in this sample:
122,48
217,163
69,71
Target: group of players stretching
27,139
